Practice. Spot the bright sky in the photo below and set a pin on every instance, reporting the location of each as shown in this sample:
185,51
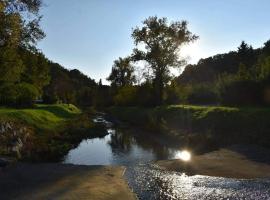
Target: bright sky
90,34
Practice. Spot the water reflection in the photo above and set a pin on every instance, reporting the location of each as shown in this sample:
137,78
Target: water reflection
120,143
135,149
120,147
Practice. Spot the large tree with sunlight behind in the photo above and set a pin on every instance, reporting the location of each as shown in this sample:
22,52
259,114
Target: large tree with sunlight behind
158,42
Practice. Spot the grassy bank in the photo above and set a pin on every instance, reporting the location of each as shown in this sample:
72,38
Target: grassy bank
45,132
202,126
42,117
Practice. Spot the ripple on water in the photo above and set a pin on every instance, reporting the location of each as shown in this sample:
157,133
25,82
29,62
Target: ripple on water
150,182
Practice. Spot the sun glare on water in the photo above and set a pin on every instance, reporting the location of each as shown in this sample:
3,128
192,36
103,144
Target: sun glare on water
183,155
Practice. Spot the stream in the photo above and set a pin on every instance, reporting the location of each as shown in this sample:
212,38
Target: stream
137,151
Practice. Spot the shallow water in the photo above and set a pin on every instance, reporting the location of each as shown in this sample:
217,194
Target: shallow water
119,148
150,182
137,150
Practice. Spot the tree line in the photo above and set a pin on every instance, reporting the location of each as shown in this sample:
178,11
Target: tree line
26,75
144,78
237,78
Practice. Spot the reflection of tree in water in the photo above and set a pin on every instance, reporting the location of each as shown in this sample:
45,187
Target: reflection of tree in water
120,142
148,143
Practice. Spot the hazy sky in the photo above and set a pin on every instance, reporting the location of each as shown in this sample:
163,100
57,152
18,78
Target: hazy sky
90,34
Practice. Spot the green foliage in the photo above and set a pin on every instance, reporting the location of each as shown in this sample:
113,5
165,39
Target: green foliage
126,96
11,66
8,94
243,72
213,125
85,96
19,95
162,42
122,73
69,86
263,67
146,95
37,69
103,96
26,94
23,70
202,94
235,91
20,23
208,70
50,130
238,78
173,94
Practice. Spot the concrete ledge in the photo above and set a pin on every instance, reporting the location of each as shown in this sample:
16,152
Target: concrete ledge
58,181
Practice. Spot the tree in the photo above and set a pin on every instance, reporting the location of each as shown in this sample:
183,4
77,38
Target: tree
19,32
246,54
266,48
36,70
11,66
243,72
263,67
19,23
162,42
122,73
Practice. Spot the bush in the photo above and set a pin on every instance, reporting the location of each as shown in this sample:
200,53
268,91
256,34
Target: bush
8,94
240,92
146,95
26,94
50,98
126,96
18,95
173,94
202,94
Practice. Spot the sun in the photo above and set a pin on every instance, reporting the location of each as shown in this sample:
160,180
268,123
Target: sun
183,155
192,52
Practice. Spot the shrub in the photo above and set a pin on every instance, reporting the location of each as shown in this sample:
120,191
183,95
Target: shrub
26,94
173,94
50,98
126,96
146,95
8,94
240,92
202,94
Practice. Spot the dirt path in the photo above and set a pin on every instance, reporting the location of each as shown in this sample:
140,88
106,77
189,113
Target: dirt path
67,182
230,163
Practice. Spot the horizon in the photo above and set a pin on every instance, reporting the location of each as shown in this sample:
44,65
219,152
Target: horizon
98,32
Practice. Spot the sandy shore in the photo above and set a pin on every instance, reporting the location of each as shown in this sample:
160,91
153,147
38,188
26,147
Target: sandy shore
67,182
230,163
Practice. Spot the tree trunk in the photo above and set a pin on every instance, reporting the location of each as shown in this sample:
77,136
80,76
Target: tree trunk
159,87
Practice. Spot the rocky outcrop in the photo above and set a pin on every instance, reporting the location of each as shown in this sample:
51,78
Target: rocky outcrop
14,138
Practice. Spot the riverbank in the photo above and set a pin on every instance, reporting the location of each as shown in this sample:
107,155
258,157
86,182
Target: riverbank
241,162
45,132
57,181
202,127
42,117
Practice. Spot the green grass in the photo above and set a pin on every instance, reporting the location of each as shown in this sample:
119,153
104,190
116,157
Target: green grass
52,130
41,117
